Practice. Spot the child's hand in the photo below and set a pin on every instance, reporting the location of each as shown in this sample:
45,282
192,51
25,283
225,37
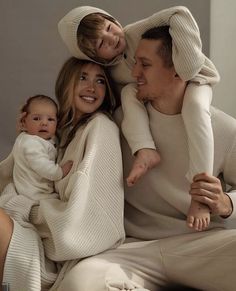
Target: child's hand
66,168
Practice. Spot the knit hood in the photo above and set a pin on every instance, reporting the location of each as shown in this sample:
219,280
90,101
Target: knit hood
68,26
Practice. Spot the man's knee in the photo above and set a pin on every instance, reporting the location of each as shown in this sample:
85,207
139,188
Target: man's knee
97,274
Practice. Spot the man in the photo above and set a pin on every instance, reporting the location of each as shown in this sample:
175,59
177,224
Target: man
160,248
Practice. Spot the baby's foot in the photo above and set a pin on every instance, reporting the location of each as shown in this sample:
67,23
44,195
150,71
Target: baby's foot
198,216
145,159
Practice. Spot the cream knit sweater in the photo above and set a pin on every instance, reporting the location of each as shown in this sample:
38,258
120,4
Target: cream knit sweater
35,168
156,207
87,220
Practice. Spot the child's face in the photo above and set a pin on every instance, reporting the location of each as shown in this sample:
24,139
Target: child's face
41,119
111,42
90,91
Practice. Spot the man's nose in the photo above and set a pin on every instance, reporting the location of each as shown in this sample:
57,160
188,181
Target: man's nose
135,71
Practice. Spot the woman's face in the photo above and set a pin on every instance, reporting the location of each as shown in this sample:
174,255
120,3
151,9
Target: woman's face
90,90
111,42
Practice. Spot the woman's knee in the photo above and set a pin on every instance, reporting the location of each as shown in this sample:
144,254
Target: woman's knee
6,226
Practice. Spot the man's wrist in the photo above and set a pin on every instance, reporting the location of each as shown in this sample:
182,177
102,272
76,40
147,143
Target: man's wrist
229,209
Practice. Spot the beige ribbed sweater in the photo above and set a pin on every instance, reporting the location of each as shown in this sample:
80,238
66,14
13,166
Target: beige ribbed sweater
187,47
157,205
87,220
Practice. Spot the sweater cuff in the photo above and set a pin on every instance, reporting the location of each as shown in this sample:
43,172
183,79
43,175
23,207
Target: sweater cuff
232,197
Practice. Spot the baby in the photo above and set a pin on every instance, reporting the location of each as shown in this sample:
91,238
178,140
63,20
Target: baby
34,151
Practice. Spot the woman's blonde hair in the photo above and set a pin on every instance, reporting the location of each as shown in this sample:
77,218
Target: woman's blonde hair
66,82
89,31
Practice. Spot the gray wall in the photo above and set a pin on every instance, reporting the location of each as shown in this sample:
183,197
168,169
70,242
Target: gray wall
31,51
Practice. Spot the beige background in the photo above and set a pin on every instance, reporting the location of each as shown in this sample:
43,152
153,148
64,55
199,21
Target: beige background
31,51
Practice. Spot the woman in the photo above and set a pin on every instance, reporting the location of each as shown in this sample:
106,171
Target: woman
88,218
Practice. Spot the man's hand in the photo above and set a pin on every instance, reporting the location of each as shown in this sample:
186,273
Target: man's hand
208,190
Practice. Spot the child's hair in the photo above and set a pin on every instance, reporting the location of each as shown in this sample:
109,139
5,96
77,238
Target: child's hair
66,82
40,97
89,31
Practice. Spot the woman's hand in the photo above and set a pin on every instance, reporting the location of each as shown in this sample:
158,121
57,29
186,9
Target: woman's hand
207,189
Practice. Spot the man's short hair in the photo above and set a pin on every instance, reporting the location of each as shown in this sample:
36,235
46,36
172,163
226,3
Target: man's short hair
164,50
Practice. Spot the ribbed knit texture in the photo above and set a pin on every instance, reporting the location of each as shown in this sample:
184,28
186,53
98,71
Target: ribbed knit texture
157,206
187,47
87,220
35,166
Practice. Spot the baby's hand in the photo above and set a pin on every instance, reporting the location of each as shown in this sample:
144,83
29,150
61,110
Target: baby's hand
66,168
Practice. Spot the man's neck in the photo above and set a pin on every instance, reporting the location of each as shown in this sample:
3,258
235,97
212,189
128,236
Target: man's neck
172,104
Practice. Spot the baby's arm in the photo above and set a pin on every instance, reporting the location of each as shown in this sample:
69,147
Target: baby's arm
39,160
135,127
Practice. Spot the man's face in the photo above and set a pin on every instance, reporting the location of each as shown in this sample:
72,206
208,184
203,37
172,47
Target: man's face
154,80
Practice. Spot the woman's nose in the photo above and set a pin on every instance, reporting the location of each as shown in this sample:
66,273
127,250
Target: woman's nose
90,86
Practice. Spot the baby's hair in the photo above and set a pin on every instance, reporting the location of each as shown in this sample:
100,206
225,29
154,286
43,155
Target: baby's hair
39,97
89,31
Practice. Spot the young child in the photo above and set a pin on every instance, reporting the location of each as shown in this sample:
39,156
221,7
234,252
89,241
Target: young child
91,33
34,151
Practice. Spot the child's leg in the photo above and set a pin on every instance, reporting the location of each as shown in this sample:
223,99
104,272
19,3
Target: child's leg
197,121
135,127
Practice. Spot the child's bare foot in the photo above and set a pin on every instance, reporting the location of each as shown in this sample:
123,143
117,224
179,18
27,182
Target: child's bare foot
145,159
198,216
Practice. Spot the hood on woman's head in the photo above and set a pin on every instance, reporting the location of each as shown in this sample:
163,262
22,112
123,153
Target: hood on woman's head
68,26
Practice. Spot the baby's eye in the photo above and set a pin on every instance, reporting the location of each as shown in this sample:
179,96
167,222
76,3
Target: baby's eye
36,118
109,27
82,78
51,119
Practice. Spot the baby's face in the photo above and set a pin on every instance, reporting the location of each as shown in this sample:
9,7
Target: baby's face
41,119
111,42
